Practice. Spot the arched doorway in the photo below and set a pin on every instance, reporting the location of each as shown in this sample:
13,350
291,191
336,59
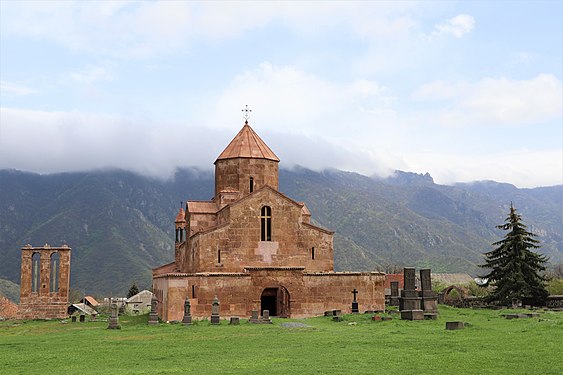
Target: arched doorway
276,301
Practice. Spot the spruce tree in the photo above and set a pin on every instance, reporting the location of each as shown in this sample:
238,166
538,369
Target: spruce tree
133,290
514,267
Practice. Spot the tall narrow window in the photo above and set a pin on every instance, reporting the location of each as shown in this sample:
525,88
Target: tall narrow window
313,253
266,224
218,256
251,184
35,267
54,276
193,291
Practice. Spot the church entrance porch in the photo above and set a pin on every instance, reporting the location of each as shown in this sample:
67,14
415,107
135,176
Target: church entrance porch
276,301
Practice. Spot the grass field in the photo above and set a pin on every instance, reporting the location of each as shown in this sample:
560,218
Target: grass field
489,344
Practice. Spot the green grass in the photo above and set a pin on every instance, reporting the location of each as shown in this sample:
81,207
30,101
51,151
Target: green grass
489,344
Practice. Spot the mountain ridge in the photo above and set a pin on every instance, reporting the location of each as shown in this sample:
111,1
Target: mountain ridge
120,224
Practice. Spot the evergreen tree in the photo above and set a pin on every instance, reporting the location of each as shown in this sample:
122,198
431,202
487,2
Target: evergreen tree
133,290
515,267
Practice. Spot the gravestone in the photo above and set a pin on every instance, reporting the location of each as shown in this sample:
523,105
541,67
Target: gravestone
114,318
337,316
394,298
153,316
215,319
73,318
454,325
355,309
235,321
429,297
82,318
187,320
254,318
412,315
266,317
516,303
409,301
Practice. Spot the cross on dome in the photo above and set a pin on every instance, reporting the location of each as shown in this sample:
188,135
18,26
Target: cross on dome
246,115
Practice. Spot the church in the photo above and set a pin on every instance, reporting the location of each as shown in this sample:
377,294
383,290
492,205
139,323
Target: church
256,249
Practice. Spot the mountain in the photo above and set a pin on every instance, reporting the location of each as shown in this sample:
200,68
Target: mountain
120,224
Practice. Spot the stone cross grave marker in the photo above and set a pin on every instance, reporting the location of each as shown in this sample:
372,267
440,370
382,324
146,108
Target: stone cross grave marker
215,319
355,308
187,321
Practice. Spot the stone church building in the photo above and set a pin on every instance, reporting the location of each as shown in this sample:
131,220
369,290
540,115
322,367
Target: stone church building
255,248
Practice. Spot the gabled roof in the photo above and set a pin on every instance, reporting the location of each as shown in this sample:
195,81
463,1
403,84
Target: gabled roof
138,298
91,301
247,144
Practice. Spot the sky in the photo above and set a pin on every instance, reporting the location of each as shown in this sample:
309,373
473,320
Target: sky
465,91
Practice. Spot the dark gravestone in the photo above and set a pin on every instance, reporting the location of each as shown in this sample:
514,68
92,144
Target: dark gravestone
235,321
82,318
412,315
355,308
73,318
394,298
153,316
409,299
114,318
187,320
429,297
215,319
454,325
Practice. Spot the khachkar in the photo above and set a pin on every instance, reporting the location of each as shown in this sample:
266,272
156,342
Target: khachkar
409,301
429,297
114,318
45,279
153,316
187,320
215,311
394,298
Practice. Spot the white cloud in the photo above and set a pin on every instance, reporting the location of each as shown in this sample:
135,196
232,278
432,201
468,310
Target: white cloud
495,102
10,89
91,74
523,168
457,26
140,29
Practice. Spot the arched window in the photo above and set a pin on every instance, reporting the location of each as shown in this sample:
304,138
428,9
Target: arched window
54,277
266,224
35,268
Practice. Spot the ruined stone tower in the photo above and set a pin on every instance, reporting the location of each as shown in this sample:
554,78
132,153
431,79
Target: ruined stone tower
45,279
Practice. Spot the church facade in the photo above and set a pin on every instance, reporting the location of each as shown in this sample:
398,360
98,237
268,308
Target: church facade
255,248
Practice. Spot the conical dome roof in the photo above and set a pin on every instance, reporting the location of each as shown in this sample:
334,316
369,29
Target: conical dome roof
247,144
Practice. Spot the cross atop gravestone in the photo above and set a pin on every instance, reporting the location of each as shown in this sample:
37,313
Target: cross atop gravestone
355,292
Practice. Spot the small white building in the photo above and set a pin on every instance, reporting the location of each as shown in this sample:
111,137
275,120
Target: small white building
140,303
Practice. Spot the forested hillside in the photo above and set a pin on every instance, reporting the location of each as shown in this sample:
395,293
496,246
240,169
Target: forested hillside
120,224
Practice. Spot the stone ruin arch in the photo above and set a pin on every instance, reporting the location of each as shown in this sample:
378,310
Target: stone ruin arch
444,296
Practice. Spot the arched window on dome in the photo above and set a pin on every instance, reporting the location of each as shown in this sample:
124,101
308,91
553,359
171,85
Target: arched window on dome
266,224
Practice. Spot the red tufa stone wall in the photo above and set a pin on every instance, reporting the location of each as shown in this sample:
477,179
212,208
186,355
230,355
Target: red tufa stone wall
234,174
44,304
310,294
239,245
8,309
